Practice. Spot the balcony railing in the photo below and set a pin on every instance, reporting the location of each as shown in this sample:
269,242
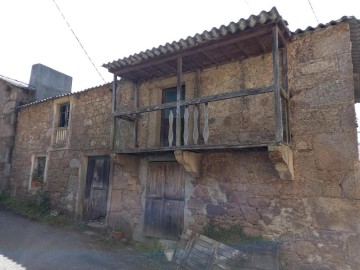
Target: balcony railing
61,136
202,124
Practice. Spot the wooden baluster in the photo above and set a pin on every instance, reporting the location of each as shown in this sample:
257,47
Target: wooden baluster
171,134
196,125
186,125
206,123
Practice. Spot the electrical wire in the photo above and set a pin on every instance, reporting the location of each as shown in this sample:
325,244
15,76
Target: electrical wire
82,47
313,11
247,3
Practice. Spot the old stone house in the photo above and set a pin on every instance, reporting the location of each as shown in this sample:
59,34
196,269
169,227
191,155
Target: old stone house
244,125
44,82
55,141
12,94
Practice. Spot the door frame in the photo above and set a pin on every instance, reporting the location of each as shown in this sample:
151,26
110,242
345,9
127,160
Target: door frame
82,183
143,168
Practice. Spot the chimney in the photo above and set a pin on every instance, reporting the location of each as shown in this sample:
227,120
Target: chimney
49,82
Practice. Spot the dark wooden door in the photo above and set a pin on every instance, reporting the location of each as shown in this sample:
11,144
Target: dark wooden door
96,190
165,199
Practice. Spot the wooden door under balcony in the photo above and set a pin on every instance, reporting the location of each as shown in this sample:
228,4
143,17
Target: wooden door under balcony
165,199
96,189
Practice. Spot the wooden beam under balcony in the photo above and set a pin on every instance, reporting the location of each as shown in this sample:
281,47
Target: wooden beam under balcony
199,100
198,148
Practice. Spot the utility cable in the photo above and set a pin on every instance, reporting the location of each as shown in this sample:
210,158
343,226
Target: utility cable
82,47
247,3
313,11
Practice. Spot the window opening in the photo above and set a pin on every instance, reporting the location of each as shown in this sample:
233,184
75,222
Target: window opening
38,173
168,96
64,115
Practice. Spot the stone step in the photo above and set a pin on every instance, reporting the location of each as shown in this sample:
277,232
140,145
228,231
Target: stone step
98,228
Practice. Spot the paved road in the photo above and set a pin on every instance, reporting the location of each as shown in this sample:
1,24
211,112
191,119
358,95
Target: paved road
25,244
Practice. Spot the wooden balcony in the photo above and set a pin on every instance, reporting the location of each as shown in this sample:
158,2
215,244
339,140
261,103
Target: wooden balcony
197,119
195,130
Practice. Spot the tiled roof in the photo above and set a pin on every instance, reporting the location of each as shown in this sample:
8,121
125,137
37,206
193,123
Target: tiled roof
63,95
350,19
214,34
16,83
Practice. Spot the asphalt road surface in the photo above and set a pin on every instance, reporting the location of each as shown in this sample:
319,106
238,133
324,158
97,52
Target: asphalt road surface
28,245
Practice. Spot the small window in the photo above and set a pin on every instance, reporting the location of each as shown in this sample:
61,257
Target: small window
169,95
38,172
64,115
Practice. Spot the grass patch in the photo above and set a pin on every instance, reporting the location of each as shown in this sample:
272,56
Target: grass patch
232,236
37,207
154,251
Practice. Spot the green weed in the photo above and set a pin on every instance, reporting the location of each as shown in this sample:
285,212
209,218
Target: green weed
229,236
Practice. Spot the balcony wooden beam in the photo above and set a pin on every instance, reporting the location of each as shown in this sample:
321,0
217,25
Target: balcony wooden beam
199,100
178,99
277,91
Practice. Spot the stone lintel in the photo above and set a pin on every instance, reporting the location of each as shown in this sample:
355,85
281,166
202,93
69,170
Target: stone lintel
282,157
190,160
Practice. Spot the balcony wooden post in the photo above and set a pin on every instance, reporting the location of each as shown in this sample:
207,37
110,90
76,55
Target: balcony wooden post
136,98
196,108
114,120
275,56
178,99
114,89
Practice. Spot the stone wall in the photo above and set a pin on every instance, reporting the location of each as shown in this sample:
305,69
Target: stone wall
10,97
89,135
315,217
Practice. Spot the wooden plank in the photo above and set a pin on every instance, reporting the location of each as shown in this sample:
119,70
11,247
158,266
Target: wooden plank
199,100
129,118
196,125
186,126
199,256
261,44
277,102
190,243
193,264
174,184
209,57
234,146
202,248
196,108
171,133
207,240
213,256
284,94
206,123
285,69
178,99
201,251
155,179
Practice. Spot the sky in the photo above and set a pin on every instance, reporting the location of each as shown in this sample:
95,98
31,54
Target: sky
35,32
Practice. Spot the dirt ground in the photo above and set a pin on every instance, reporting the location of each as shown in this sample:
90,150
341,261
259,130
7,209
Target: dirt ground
25,244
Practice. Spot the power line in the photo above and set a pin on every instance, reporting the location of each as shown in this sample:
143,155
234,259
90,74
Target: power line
313,11
247,3
82,47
